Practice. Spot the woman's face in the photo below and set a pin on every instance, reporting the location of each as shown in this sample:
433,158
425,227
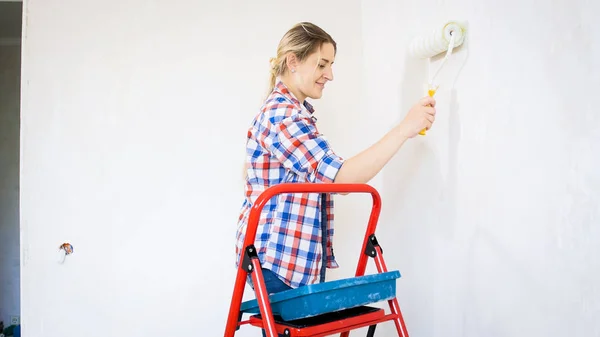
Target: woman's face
309,77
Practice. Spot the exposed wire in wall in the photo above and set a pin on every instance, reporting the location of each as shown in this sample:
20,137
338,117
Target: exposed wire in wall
64,250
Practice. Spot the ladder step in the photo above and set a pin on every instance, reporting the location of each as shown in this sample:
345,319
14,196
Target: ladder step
328,323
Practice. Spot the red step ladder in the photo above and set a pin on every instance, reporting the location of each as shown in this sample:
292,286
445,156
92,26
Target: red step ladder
342,321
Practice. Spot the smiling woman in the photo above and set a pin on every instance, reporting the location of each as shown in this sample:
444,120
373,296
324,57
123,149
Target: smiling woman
294,235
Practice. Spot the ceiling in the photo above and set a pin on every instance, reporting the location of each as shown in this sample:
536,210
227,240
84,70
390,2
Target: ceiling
10,19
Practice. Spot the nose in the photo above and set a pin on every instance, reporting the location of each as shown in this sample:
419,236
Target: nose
328,73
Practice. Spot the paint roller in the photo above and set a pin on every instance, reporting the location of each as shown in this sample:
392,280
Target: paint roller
441,39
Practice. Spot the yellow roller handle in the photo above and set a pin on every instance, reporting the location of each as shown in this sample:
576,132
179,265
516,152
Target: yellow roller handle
430,92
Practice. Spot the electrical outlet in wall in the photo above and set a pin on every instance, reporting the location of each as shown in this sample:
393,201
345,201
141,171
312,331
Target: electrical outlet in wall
15,320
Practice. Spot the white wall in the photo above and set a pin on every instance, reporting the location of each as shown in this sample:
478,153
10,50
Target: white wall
133,132
134,118
9,181
492,218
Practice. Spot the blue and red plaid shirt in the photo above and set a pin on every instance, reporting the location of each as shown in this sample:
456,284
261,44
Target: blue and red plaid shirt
283,146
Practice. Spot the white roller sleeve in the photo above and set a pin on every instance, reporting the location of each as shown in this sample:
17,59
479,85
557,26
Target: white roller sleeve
438,40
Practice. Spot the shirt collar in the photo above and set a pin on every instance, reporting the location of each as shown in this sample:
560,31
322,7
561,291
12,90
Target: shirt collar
281,88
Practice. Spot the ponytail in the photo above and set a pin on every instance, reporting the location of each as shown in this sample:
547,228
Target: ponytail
275,70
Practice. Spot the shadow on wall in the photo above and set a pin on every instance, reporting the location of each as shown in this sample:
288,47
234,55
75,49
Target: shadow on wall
421,189
414,174
423,177
408,190
450,107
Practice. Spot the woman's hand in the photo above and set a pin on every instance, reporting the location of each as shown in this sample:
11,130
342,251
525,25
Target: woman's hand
420,116
364,166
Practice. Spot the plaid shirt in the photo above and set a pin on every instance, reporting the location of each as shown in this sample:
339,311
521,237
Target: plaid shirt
284,145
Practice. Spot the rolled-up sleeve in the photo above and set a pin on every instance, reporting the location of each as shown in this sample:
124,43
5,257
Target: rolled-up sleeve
299,147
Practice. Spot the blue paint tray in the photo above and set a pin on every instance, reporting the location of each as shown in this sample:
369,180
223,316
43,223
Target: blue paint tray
321,298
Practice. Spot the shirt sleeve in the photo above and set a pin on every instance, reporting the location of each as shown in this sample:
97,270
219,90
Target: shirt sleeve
299,147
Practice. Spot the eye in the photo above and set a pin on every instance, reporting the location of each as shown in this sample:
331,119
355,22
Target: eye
321,66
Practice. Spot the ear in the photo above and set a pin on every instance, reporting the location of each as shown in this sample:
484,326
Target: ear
291,61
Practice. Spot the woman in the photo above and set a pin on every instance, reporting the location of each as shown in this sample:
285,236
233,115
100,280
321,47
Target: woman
284,145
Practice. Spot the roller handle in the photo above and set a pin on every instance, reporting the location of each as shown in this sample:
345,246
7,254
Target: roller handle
430,92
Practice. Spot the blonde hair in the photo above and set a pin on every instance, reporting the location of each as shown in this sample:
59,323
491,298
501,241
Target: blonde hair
302,39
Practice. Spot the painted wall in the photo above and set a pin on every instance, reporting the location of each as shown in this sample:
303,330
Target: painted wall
492,218
9,181
134,119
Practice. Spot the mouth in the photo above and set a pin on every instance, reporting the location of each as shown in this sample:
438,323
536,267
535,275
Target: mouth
321,85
